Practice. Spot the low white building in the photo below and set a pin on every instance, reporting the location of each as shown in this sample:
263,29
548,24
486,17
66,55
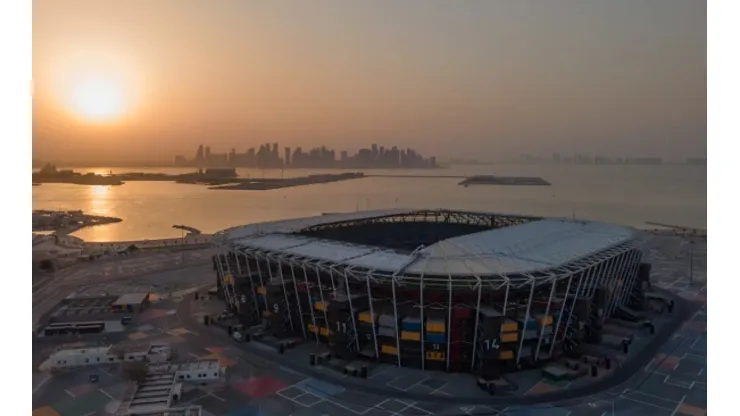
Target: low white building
163,387
77,357
156,393
172,411
195,371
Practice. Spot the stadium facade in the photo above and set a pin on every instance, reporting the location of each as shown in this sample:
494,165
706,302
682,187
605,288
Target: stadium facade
448,290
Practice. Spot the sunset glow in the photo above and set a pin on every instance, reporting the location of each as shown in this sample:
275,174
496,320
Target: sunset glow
98,98
146,81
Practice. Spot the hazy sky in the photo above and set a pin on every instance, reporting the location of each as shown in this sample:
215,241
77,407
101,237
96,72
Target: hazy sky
452,78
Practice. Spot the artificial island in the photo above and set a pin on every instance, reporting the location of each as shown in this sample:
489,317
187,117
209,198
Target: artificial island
218,170
228,179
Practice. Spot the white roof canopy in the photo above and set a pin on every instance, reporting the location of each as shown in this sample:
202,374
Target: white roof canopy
537,245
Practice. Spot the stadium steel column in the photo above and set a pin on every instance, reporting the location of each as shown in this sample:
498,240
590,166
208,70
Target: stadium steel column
323,303
586,290
618,275
220,275
635,273
308,296
449,320
619,283
421,330
593,271
614,260
333,287
526,321
232,296
238,267
594,281
607,277
297,299
285,293
603,275
223,280
395,317
626,269
475,330
262,282
251,286
351,310
239,271
372,315
612,276
628,277
562,308
506,298
547,311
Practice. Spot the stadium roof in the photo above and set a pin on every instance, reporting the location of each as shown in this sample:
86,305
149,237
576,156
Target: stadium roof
537,245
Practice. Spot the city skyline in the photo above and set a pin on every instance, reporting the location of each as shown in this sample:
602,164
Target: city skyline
141,80
269,156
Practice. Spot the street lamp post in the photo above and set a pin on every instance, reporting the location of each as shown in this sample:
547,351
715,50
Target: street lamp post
691,262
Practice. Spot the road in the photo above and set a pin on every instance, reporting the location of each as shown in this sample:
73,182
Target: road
142,267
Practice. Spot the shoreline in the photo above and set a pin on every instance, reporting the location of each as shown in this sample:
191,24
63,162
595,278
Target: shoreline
206,238
63,223
154,243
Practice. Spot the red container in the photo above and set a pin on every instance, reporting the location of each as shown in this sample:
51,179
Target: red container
461,313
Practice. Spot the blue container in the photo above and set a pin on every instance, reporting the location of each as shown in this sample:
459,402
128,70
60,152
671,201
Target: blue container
531,324
436,338
411,324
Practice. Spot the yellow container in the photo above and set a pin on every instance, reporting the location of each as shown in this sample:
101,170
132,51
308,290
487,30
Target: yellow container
410,336
509,337
323,331
436,327
509,326
546,320
388,349
366,317
228,279
435,356
262,290
311,328
266,314
506,355
321,305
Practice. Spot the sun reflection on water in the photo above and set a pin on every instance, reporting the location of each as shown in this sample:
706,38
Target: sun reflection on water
100,204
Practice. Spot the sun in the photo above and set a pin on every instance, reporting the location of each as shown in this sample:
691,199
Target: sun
98,98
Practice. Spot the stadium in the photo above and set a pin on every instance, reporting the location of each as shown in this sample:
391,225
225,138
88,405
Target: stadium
432,289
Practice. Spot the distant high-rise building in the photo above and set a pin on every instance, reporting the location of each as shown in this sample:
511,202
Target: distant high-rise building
267,156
